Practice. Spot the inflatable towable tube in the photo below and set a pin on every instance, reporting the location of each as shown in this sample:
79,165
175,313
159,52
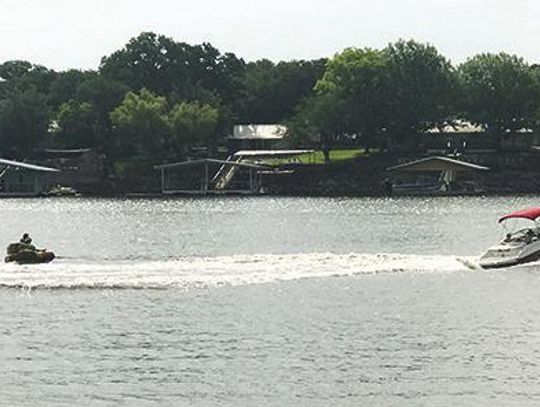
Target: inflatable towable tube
25,254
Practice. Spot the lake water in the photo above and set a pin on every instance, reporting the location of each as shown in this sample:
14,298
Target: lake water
266,302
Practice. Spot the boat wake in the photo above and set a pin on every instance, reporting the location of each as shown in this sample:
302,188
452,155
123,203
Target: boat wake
188,273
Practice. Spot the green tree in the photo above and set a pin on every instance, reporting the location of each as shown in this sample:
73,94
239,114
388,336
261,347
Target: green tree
211,72
176,69
319,123
11,70
79,126
194,123
140,125
106,94
65,86
24,123
500,93
423,88
227,76
22,76
271,93
84,121
358,79
145,62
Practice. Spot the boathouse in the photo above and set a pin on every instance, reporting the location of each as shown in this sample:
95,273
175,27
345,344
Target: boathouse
240,173
24,179
82,168
210,176
436,175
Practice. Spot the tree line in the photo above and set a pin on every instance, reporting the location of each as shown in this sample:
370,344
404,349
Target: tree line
156,98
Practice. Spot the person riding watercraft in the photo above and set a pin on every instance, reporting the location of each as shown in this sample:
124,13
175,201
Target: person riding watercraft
24,252
26,243
25,239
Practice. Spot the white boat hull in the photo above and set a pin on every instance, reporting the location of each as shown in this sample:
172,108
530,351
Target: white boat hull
510,254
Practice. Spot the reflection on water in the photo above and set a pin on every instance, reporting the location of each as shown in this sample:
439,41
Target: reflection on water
161,229
266,302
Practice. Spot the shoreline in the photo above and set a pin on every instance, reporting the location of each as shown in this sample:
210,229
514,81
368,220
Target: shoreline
158,196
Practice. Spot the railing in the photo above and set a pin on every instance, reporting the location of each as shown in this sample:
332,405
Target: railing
225,174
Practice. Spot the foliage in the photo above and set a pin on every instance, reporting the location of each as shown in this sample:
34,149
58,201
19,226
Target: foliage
24,122
84,121
500,92
156,97
11,70
319,123
140,124
422,85
22,76
356,85
78,125
271,93
145,126
349,101
65,87
177,69
193,123
145,62
367,95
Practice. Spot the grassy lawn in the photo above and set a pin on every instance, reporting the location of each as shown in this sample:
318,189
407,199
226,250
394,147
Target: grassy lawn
318,158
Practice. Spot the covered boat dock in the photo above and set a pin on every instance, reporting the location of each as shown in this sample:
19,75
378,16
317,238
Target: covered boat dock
436,175
199,177
241,173
19,179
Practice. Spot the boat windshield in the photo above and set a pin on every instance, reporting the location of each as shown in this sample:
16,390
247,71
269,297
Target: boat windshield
526,235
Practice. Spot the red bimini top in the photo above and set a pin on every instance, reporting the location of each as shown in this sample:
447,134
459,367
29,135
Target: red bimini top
530,213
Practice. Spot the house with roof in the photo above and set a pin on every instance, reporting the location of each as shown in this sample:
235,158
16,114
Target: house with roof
256,137
460,136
